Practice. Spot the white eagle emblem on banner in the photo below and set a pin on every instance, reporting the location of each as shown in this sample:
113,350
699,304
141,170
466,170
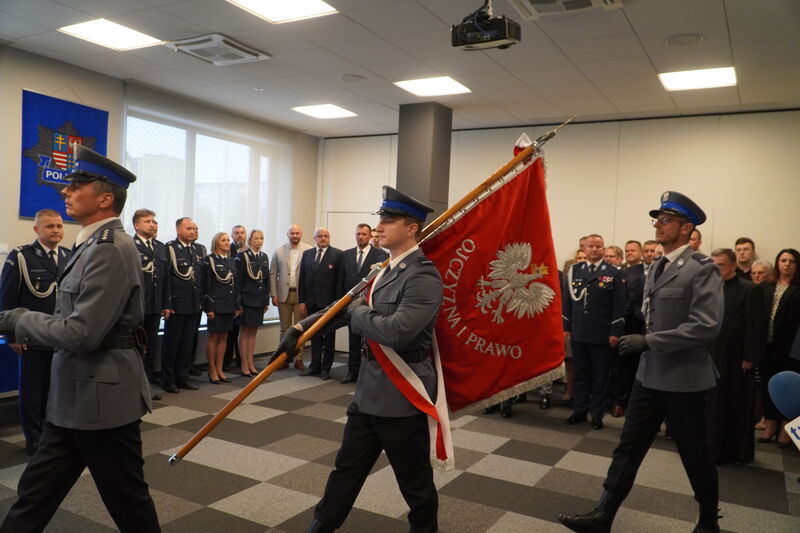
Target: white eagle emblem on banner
512,286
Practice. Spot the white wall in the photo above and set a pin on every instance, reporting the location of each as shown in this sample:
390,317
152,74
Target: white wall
605,177
21,70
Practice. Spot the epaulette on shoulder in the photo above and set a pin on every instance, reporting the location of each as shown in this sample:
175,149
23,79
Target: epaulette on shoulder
23,247
422,260
107,235
701,258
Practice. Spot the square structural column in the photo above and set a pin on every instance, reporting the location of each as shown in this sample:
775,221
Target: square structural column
423,153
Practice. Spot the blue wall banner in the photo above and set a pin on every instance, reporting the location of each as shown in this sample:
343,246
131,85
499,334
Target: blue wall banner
50,127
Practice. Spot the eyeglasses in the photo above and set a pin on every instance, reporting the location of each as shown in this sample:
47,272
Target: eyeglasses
663,220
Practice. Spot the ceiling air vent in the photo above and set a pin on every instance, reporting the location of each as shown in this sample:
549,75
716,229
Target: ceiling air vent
217,50
533,9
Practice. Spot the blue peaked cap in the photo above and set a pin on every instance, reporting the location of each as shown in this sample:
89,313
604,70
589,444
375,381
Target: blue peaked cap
398,203
680,205
91,166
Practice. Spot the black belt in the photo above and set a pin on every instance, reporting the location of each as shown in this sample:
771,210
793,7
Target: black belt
409,357
136,339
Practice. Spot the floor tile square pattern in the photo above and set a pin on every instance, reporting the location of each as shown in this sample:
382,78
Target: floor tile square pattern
264,469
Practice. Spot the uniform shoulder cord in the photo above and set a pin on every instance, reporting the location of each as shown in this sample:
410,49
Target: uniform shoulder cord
582,294
174,260
257,277
227,279
23,270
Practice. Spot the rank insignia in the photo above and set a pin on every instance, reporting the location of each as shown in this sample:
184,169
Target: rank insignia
402,265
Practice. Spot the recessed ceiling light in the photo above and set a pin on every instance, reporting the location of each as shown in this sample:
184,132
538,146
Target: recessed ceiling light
258,89
324,111
688,80
433,86
109,34
279,11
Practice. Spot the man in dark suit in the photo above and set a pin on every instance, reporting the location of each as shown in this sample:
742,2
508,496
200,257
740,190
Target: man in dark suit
180,331
356,263
683,309
623,369
317,288
98,388
155,271
594,319
29,280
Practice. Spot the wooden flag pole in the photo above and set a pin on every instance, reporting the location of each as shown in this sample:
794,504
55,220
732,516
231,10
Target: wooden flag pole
345,300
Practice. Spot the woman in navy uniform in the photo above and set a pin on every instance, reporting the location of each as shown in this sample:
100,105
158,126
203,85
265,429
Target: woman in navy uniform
220,302
252,268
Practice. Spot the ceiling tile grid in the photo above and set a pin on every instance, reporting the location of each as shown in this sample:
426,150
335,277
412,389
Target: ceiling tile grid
600,64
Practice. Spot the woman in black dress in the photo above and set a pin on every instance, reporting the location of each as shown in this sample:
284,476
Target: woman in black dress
220,302
252,267
783,303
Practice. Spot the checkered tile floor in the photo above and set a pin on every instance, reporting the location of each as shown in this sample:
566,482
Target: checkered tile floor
265,467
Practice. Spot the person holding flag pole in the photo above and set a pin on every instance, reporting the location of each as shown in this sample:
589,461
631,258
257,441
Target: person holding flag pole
404,375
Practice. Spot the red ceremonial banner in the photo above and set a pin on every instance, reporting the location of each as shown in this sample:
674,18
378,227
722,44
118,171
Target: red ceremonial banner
500,324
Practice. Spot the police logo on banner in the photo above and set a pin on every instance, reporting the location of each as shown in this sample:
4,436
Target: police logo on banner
51,127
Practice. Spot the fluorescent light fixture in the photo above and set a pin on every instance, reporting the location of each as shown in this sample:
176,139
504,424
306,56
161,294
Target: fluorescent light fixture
708,78
324,111
109,34
279,11
433,86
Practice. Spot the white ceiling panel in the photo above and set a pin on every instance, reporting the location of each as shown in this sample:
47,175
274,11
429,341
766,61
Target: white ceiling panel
694,100
568,73
426,44
331,29
631,67
367,53
314,60
602,48
396,18
403,70
599,64
584,24
44,12
220,15
105,8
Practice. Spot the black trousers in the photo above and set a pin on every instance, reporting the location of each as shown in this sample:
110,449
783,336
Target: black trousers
591,377
686,412
323,348
34,382
407,446
180,341
114,459
151,323
354,356
622,374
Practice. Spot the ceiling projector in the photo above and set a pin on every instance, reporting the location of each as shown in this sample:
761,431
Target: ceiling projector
481,30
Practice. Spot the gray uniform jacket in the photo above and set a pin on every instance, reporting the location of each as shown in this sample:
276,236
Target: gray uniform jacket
100,291
405,304
683,313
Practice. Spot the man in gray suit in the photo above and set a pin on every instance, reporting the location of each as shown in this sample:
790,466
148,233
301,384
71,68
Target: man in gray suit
683,309
284,277
404,304
98,388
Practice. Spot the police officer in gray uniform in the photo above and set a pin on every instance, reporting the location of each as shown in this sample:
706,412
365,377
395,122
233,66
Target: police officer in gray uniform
405,302
98,387
683,309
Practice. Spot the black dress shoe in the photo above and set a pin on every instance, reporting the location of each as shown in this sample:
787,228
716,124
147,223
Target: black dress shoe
318,527
171,388
156,397
194,372
597,423
506,412
349,378
324,375
701,529
596,521
310,372
544,401
186,385
491,409
575,418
